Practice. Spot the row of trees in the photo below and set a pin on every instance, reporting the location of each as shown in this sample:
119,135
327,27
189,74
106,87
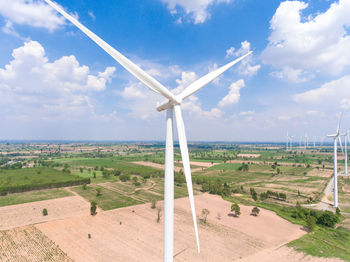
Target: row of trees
313,217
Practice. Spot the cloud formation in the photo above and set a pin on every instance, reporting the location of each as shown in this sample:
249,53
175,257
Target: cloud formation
32,86
197,10
300,46
30,12
245,67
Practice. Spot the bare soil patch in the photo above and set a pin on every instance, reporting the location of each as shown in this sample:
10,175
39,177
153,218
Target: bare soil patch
132,233
176,168
29,244
31,213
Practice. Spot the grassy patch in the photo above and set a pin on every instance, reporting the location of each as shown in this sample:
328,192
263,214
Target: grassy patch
108,200
32,196
325,243
26,179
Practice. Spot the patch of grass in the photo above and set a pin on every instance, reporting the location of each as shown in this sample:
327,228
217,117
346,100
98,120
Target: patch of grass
226,166
325,243
32,196
108,200
121,165
26,179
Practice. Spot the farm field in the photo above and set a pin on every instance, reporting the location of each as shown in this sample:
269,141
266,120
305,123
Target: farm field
120,234
125,179
29,244
26,179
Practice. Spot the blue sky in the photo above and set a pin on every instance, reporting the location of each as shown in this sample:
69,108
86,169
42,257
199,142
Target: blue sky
55,83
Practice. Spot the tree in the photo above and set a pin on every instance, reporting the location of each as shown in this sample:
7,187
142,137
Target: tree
45,212
81,170
98,192
205,213
235,208
153,203
84,187
255,196
93,208
159,214
337,211
255,211
94,174
311,223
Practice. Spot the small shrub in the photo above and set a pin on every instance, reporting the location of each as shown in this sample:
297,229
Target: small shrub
84,187
98,192
93,208
311,223
255,211
45,212
89,236
159,214
205,213
153,203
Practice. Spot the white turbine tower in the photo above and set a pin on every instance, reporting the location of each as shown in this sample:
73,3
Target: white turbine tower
291,142
173,106
336,137
346,137
287,142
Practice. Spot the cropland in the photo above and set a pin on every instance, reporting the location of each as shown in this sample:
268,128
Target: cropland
125,181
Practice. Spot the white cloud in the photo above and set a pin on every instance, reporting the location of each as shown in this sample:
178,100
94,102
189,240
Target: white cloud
8,29
331,94
34,87
30,12
292,75
196,9
247,113
233,95
315,43
92,15
245,67
142,102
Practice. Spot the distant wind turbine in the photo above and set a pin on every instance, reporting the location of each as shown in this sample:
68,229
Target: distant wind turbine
336,137
173,106
346,137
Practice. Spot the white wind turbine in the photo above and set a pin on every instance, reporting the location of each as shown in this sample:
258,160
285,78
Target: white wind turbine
287,142
291,142
346,137
336,137
173,106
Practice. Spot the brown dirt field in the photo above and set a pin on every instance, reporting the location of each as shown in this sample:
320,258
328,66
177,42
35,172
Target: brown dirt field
139,237
249,155
31,213
29,244
176,168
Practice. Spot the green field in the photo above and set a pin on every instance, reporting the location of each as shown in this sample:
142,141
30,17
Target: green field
325,243
108,200
32,196
26,179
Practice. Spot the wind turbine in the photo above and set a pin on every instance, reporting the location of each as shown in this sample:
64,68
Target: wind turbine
346,137
173,107
290,142
314,141
287,142
336,137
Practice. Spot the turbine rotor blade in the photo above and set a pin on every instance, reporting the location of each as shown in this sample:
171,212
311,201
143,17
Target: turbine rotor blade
338,129
186,164
136,71
203,81
341,146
